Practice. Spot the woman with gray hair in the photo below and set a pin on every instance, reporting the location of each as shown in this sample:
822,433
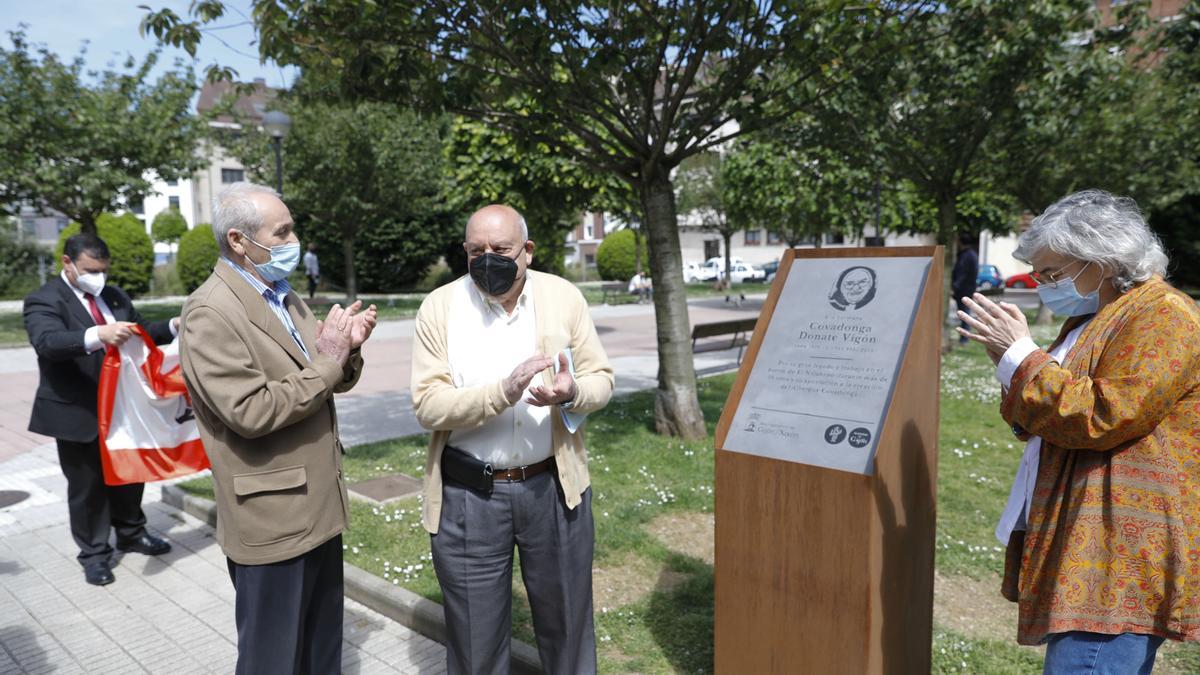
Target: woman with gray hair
1103,521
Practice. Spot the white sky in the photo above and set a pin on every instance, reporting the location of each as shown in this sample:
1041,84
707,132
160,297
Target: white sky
110,28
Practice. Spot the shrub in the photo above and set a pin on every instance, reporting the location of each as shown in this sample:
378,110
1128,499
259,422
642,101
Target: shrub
616,259
131,253
197,256
18,265
168,226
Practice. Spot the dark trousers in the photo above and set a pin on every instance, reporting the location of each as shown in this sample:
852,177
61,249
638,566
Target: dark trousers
473,558
95,508
312,285
289,613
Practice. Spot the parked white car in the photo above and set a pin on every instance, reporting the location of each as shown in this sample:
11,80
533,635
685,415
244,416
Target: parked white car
742,273
694,272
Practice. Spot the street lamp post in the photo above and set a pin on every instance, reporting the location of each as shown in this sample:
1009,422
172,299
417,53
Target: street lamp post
276,123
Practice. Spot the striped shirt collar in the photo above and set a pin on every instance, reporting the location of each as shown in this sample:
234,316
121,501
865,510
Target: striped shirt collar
273,295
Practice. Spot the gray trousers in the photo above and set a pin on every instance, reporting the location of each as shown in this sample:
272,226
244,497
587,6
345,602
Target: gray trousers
473,558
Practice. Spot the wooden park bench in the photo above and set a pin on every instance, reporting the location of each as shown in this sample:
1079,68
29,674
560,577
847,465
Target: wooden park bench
614,291
738,330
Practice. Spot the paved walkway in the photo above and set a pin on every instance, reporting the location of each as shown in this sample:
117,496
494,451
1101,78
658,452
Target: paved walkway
174,614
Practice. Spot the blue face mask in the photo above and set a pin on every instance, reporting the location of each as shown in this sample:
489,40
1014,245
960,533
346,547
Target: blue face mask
284,259
1064,299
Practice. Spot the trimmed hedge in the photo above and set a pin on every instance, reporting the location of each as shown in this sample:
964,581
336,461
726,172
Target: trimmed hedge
131,253
616,259
197,256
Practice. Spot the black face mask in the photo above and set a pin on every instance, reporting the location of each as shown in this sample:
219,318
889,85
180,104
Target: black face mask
493,273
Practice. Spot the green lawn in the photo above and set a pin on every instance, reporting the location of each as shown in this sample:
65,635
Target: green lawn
654,597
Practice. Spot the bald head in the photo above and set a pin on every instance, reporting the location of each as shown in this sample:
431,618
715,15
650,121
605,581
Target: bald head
498,220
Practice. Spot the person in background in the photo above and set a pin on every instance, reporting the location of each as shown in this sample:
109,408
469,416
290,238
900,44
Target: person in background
1101,524
964,276
312,270
71,322
641,286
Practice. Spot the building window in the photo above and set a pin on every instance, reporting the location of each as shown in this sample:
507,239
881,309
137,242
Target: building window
834,238
753,237
138,208
589,231
62,224
173,202
773,239
589,259
29,226
171,182
232,175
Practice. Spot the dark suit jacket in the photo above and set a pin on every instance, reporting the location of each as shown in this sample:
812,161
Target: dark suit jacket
65,405
965,274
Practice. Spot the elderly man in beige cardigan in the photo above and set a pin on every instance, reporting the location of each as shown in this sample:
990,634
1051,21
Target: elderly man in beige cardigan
506,364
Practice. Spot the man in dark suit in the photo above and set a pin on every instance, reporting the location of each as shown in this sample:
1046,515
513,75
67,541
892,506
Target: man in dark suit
71,322
964,277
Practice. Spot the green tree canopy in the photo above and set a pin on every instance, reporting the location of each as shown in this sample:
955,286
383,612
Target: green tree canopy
84,147
642,86
366,183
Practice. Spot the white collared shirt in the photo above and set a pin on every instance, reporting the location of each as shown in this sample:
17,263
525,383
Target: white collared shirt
91,336
484,344
1020,497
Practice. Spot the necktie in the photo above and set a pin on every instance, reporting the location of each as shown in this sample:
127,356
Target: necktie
95,309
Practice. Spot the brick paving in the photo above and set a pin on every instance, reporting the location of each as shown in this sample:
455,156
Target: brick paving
171,614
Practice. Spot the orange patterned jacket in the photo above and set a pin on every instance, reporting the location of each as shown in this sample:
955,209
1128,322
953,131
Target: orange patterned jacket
1113,539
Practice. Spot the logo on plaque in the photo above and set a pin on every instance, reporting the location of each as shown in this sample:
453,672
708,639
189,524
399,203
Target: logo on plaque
855,287
834,434
860,437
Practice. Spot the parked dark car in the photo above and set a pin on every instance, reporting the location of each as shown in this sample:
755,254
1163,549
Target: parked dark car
770,269
1022,280
989,277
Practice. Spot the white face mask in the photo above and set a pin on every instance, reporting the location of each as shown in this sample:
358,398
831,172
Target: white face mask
91,283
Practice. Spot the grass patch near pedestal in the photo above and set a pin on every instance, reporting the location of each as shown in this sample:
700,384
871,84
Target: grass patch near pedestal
653,496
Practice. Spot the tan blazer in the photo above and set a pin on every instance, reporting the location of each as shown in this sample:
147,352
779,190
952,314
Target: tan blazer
267,419
563,320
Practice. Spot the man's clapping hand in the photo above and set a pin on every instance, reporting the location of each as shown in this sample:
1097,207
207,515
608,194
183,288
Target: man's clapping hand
562,391
362,325
521,376
334,335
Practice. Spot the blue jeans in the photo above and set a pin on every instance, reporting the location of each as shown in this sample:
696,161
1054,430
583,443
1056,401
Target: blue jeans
1080,653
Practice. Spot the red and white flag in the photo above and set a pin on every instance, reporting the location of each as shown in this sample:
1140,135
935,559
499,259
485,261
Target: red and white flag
147,429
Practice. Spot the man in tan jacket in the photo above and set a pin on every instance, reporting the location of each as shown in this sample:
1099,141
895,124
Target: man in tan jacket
261,372
493,355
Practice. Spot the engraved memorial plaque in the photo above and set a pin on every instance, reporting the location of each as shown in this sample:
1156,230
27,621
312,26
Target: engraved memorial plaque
823,376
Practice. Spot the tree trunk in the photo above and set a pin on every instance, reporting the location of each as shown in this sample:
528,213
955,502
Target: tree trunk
728,260
676,405
637,250
87,223
348,262
946,236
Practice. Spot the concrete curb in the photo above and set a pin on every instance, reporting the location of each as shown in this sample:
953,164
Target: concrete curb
401,605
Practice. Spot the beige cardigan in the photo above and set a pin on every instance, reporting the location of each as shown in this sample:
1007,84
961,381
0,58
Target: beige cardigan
563,320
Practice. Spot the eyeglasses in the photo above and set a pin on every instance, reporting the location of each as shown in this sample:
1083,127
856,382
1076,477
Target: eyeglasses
1053,279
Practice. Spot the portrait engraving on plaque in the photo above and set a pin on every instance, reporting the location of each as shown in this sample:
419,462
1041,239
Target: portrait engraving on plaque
855,287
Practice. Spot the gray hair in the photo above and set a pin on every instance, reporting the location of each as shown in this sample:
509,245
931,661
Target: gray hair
234,209
1095,226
